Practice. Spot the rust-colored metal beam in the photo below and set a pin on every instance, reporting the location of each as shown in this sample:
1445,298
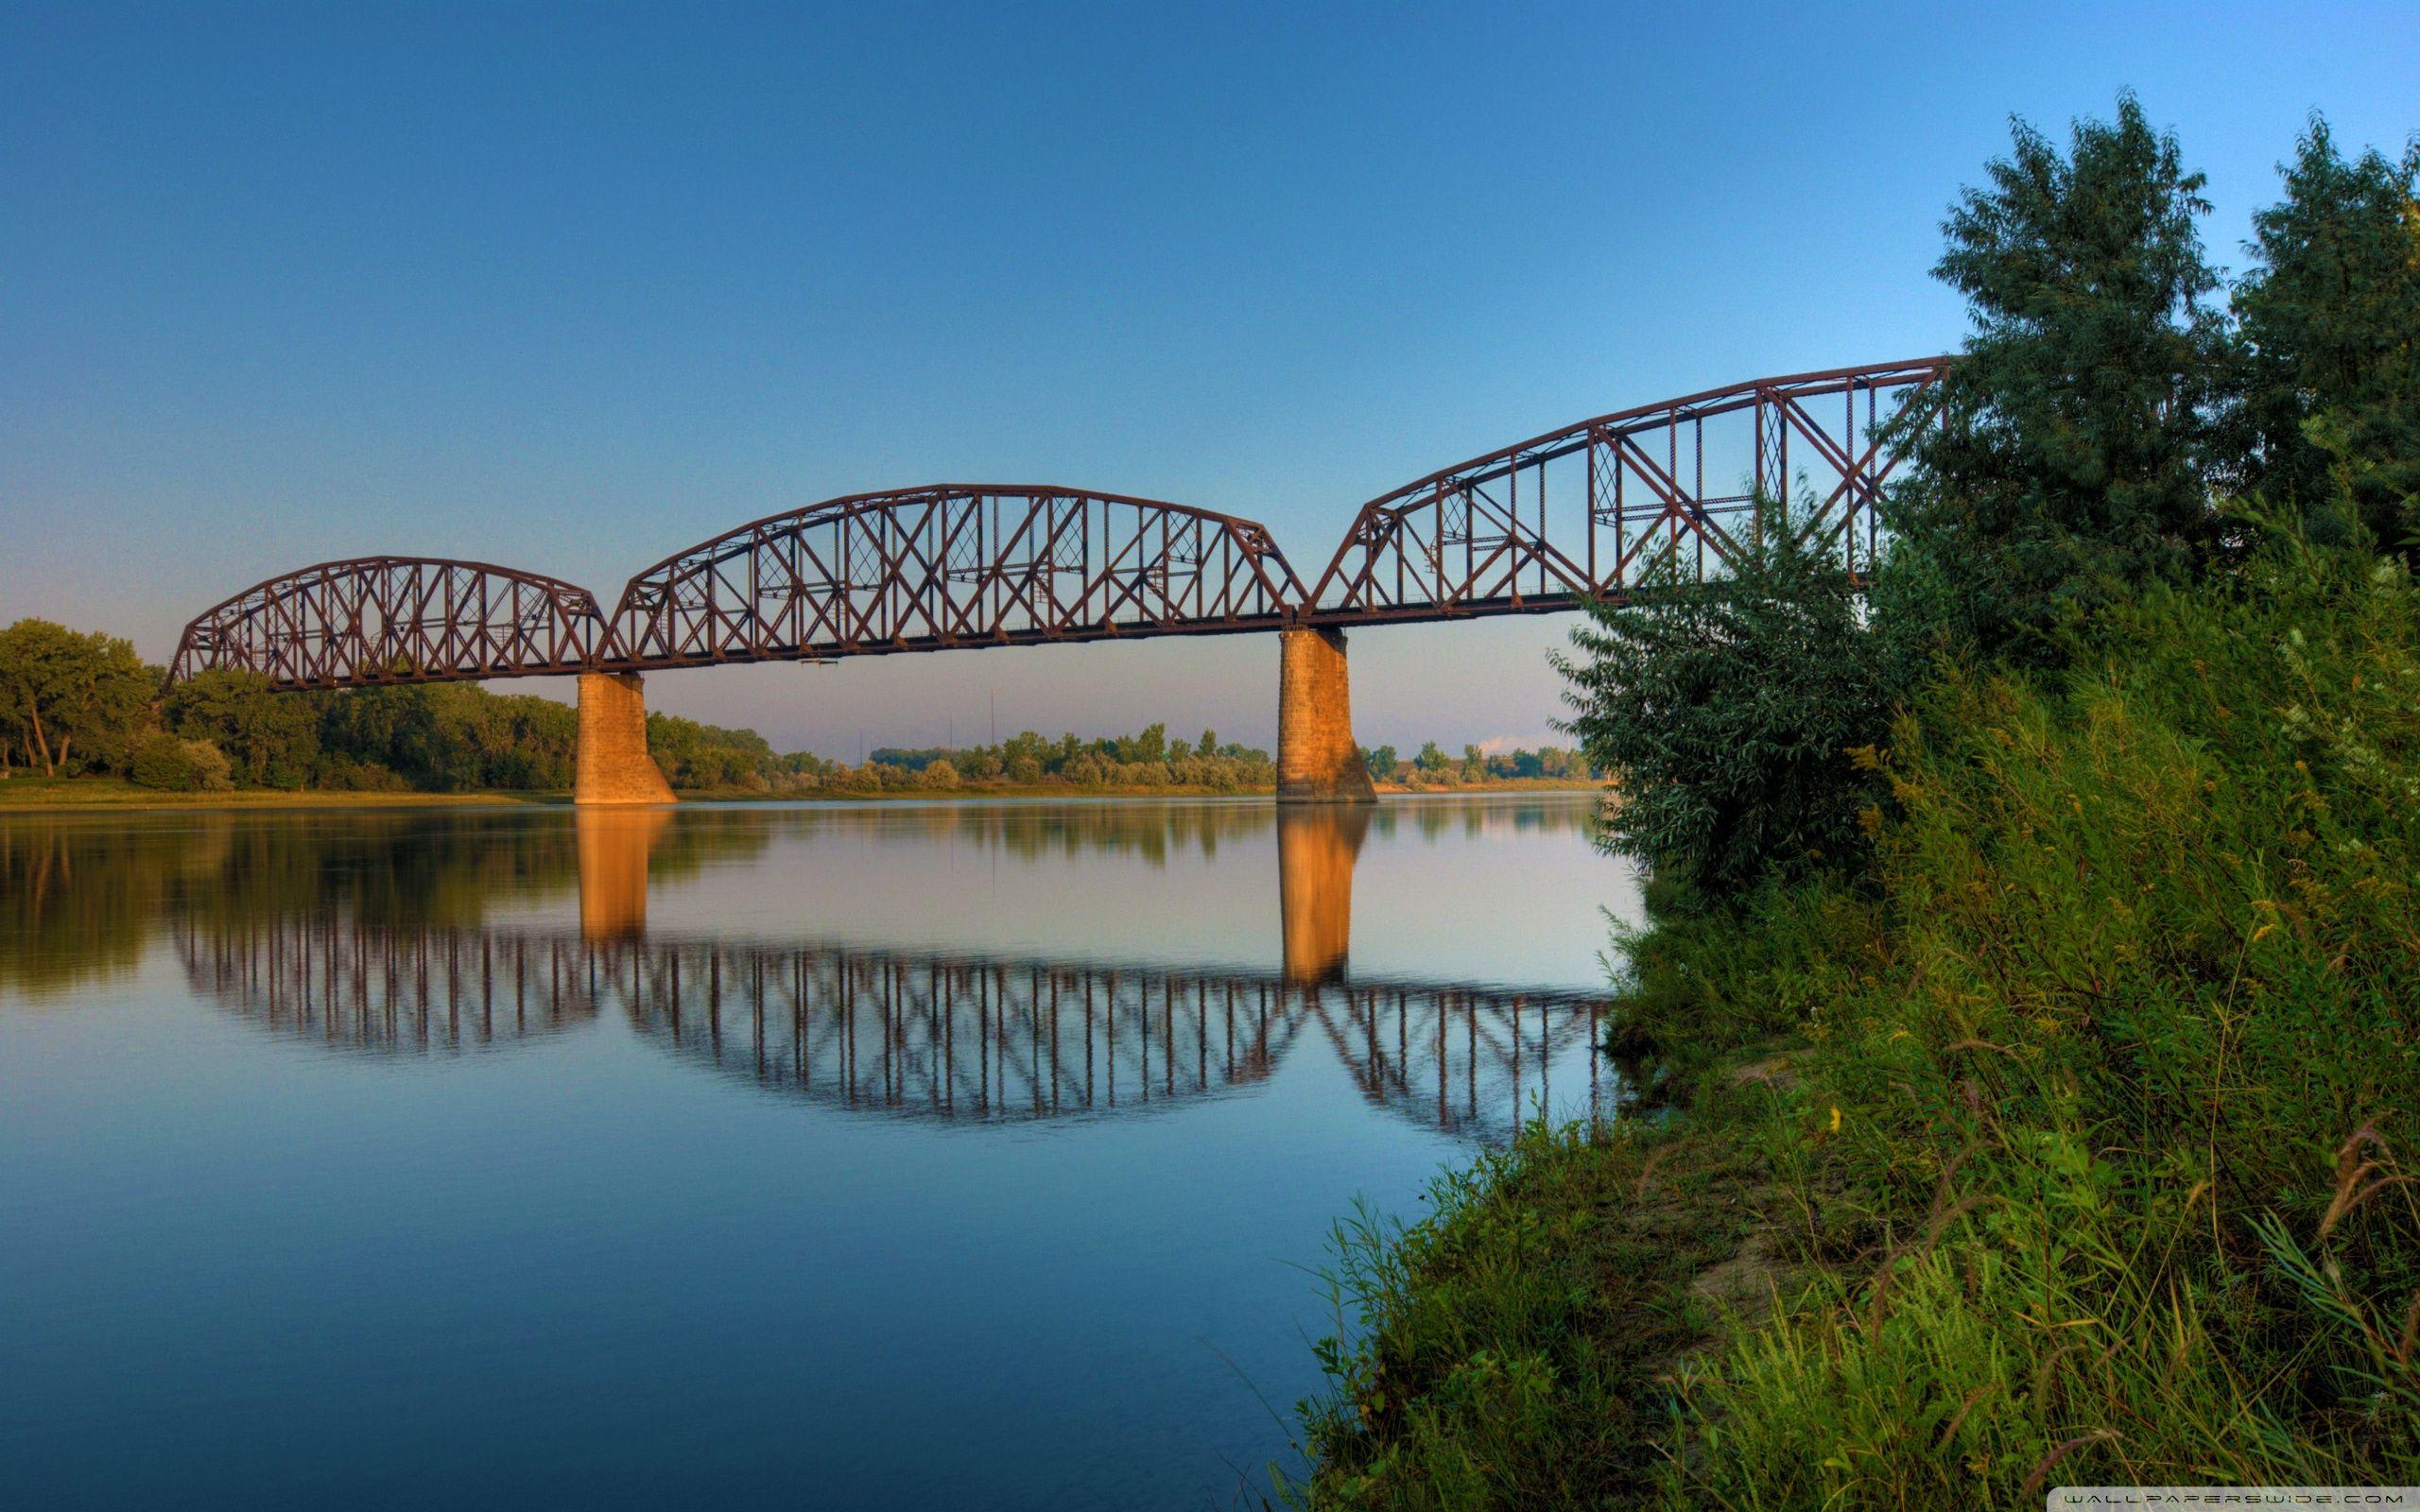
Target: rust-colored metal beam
1628,490
1579,513
951,566
379,620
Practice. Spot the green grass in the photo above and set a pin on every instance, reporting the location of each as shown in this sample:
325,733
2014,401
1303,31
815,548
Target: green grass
2091,1159
1516,1347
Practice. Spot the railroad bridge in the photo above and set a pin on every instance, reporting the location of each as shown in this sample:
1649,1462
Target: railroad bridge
1594,510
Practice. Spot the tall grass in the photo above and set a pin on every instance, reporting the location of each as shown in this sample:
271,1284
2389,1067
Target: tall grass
2092,1155
2125,1066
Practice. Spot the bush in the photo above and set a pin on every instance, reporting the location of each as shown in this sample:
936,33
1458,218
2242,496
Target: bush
1727,713
164,762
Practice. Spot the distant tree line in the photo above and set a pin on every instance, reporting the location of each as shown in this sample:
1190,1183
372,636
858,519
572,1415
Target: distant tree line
83,704
74,704
1430,766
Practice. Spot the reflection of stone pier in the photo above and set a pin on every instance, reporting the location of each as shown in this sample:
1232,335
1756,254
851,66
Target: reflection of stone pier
613,846
1316,847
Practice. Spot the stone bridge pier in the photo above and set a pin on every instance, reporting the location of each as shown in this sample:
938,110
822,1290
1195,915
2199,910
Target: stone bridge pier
612,765
1317,759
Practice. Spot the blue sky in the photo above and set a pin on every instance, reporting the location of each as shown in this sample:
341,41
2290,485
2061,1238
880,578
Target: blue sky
569,289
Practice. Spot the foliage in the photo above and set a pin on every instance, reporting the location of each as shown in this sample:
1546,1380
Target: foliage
448,737
2125,1069
2087,1137
2067,463
2330,324
70,702
1726,713
708,757
270,739
172,765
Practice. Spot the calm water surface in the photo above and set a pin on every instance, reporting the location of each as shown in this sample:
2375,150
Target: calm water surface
937,1156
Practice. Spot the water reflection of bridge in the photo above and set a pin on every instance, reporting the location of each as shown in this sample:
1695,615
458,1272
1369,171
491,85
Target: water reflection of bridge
914,1034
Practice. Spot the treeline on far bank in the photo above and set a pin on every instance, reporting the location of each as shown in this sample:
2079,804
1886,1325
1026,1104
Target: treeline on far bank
80,704
2033,951
83,704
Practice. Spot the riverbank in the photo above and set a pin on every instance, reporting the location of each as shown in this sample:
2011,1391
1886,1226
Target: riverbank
2061,1140
37,795
50,795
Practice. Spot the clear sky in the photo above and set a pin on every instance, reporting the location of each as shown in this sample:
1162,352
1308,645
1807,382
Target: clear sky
569,289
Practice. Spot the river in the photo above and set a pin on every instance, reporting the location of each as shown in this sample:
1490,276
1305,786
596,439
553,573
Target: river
952,1155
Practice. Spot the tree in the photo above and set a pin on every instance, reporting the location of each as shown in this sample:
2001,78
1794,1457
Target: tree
1208,744
164,762
1727,711
269,739
68,697
1430,759
1382,764
2068,459
2329,378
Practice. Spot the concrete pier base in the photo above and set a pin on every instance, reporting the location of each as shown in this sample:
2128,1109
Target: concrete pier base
1317,760
612,765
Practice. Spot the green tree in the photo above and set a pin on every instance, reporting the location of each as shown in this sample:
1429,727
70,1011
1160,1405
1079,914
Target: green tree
1382,763
72,700
177,766
270,739
2068,460
1430,759
2329,328
1208,744
1727,713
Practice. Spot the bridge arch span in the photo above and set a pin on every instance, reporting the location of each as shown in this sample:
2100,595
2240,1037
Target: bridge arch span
368,621
953,565
1587,510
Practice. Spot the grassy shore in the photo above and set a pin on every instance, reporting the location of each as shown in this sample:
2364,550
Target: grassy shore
2063,1140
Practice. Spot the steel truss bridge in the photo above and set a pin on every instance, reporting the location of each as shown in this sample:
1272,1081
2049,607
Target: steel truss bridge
1590,511
956,1039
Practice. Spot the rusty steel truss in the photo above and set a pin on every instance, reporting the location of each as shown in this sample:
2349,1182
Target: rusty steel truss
378,620
1590,511
949,566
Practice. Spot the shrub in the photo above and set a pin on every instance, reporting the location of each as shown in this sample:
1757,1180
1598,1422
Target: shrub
1727,713
164,762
